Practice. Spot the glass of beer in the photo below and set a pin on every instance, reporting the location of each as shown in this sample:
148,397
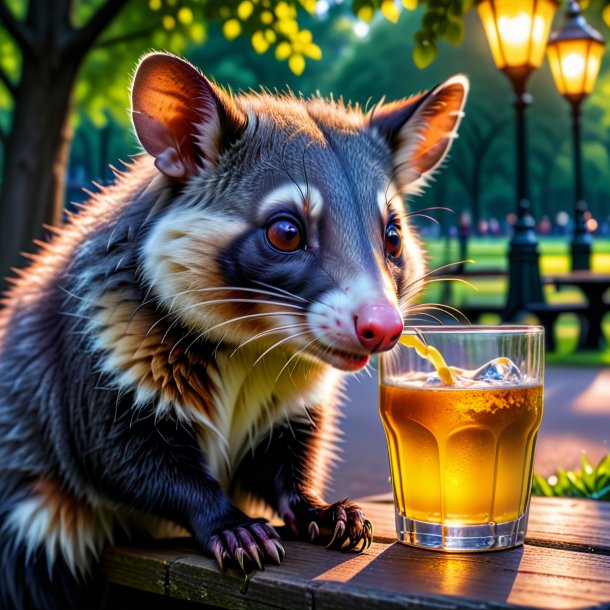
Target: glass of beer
461,454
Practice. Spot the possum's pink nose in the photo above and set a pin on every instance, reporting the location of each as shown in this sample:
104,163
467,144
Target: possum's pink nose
378,327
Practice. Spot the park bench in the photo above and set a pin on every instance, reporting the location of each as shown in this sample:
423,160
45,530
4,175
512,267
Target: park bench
565,563
546,313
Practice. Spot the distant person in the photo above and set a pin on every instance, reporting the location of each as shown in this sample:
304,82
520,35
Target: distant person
544,226
494,226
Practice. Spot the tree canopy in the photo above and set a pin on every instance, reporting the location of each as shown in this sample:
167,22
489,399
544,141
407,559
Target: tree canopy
68,63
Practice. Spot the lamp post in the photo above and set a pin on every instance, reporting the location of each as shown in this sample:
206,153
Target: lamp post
575,51
517,32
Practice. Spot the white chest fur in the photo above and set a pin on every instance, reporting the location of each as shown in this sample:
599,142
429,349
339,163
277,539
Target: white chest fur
251,397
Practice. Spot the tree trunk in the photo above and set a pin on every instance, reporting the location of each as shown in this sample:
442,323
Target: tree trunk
37,148
35,157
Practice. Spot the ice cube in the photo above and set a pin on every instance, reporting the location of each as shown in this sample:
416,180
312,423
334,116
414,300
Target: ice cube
499,369
433,379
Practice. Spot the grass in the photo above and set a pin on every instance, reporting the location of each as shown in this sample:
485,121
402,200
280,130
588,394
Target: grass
588,482
490,253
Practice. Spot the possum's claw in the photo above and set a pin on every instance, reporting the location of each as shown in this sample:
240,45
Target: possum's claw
338,533
340,526
313,530
247,545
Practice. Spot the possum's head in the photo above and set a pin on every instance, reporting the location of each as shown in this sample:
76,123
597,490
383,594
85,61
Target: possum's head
285,225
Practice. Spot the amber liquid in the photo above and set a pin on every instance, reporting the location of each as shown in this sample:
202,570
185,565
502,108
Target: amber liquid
461,456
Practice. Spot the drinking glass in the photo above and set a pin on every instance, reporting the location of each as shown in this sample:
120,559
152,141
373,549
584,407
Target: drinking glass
461,456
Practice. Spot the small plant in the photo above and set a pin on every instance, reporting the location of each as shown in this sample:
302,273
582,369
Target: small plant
589,482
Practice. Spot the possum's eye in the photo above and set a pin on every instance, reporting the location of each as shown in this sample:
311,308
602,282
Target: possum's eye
284,234
393,240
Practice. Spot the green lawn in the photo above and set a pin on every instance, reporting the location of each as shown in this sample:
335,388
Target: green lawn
491,253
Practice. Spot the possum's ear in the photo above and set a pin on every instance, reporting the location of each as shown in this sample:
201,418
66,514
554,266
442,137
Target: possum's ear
420,129
180,117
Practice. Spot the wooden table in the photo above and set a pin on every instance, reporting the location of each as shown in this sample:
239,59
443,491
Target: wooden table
565,563
593,285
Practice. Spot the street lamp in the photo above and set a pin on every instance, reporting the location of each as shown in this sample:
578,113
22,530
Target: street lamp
575,51
517,32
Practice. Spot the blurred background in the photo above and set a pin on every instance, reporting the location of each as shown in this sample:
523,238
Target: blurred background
63,125
65,70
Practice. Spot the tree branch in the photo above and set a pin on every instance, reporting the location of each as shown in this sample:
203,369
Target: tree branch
108,42
8,83
88,34
16,29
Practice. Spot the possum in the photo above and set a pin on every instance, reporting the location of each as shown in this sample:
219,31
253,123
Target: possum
175,353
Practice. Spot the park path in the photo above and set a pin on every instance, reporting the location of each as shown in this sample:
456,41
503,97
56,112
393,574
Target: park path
576,418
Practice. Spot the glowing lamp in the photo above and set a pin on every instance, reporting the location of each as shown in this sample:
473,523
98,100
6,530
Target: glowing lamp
575,52
517,32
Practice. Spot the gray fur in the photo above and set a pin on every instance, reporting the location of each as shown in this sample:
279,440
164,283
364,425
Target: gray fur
89,434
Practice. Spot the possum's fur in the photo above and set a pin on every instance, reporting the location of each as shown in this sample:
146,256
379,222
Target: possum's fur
161,365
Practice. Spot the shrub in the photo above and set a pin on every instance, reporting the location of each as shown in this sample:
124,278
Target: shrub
589,482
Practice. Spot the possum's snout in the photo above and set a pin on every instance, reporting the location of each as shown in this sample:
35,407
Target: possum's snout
378,327
353,322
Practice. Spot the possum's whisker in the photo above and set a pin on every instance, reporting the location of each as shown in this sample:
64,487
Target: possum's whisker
430,209
288,293
416,213
267,314
427,275
263,334
424,315
180,312
446,309
433,280
279,291
278,343
222,288
298,353
275,292
426,216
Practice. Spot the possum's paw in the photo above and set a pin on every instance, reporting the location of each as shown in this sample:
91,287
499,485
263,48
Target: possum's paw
341,525
248,545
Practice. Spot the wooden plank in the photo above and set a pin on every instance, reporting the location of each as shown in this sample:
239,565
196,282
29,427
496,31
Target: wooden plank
198,579
574,524
389,575
397,576
143,567
545,574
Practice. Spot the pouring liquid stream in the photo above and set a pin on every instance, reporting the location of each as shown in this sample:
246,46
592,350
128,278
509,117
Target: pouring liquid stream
432,355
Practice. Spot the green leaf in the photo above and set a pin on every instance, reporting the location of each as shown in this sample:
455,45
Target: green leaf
431,19
454,31
358,4
577,485
563,483
540,487
602,494
590,482
424,54
604,465
588,474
